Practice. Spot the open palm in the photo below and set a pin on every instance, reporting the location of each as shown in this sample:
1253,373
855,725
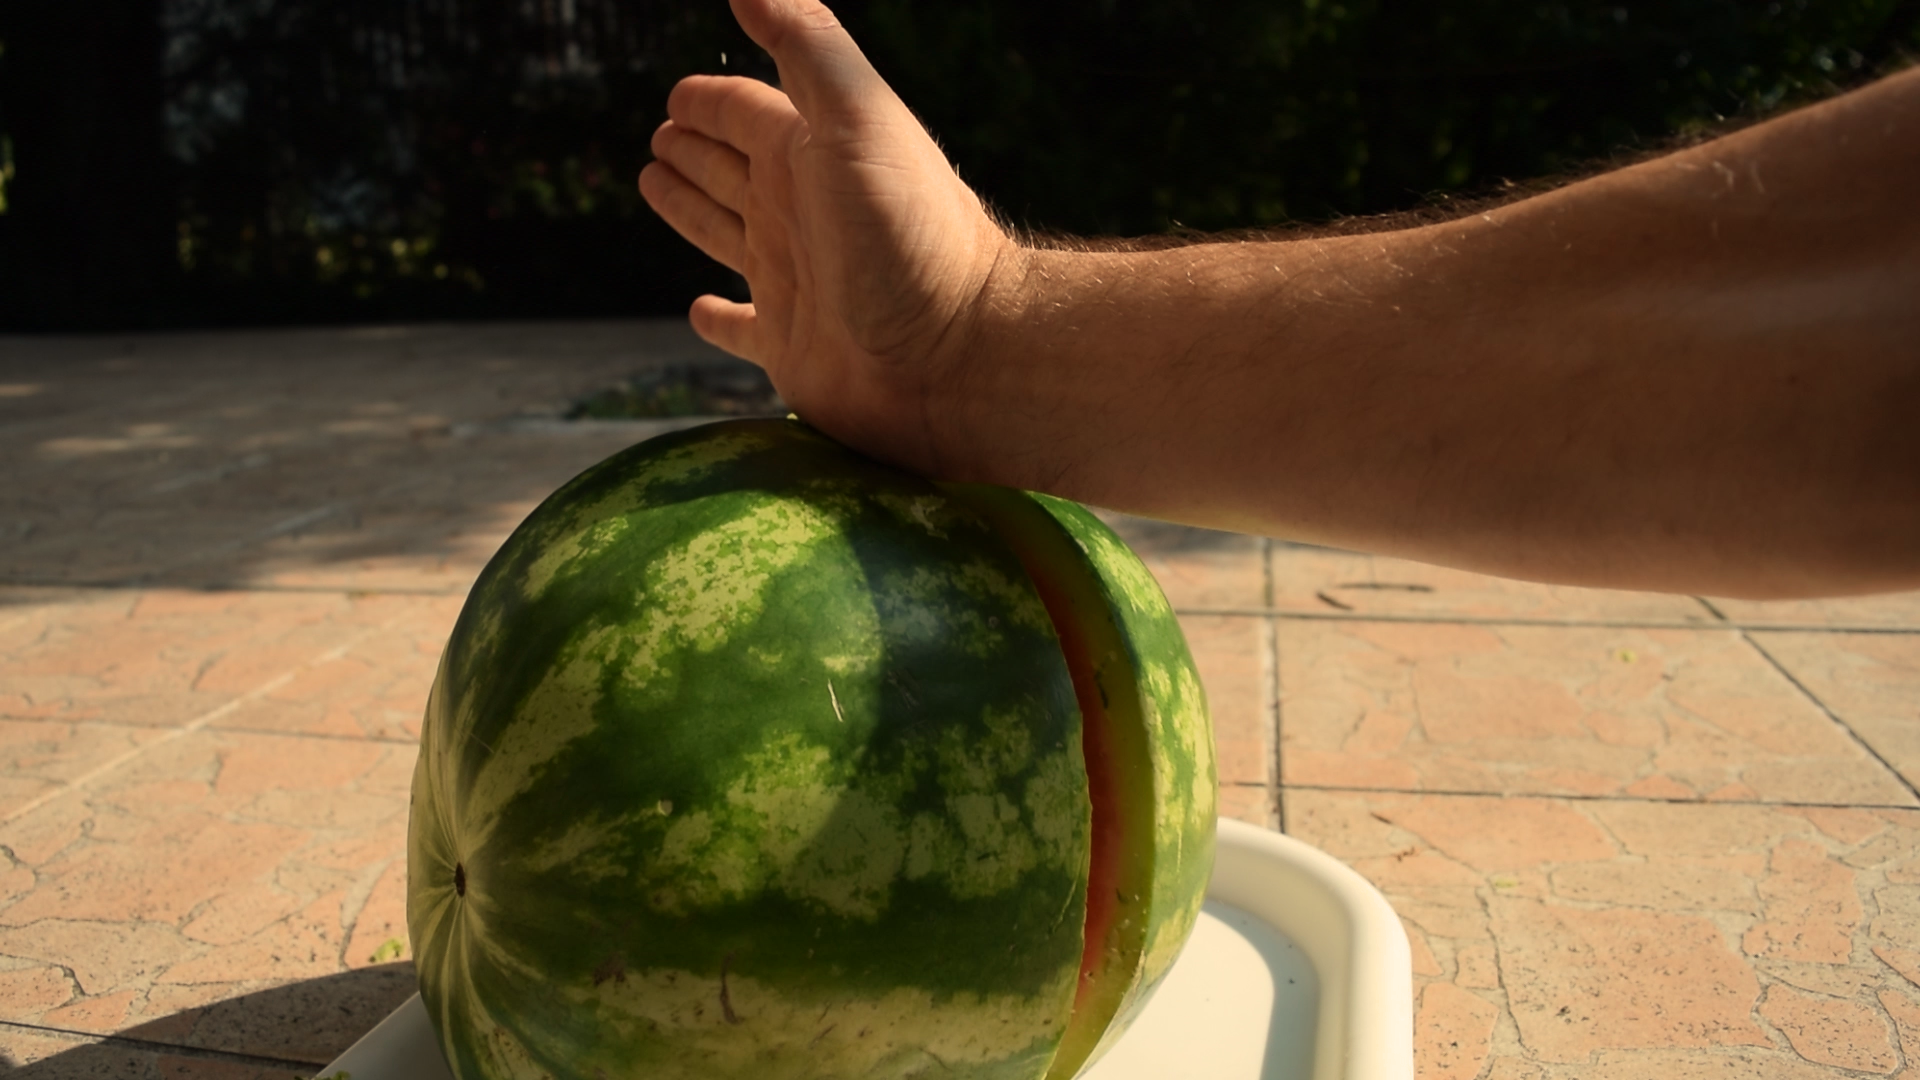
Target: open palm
865,254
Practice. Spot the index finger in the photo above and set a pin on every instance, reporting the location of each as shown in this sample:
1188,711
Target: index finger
743,113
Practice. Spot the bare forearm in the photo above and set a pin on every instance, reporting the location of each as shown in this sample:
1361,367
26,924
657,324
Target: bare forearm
1698,374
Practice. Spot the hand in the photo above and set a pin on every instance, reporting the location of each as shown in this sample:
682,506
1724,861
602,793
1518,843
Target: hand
866,256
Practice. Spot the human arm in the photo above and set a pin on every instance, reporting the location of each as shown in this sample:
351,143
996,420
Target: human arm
1701,373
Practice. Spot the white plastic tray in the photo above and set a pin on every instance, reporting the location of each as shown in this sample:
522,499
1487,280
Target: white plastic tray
1298,970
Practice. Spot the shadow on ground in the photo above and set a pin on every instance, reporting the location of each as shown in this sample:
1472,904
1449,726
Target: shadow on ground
385,458
381,459
291,1030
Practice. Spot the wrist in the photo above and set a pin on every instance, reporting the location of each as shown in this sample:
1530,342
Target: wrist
983,372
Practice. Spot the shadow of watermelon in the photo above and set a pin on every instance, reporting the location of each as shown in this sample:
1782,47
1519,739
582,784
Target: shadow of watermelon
287,1031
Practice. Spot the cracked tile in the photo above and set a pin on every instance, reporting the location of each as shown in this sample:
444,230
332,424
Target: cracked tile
1825,1031
1887,610
1234,658
1664,714
1870,681
1454,1034
1613,936
40,757
165,658
223,861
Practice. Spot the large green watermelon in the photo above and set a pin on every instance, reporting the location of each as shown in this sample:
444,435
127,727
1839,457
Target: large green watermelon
752,758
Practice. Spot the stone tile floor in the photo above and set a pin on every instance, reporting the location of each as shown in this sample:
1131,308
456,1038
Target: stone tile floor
1630,835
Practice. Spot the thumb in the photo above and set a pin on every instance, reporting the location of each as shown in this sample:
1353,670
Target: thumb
821,68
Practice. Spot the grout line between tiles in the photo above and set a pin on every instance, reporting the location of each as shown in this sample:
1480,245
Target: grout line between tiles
1830,714
1266,572
1570,624
159,585
200,721
175,1049
1267,612
1784,804
122,726
1270,689
1270,694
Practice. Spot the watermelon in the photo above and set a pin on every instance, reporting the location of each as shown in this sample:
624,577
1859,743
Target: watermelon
751,757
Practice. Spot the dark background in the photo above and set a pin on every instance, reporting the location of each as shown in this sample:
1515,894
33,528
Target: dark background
170,163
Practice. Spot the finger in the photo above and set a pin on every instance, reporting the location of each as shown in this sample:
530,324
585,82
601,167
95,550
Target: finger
693,214
820,66
716,169
726,324
745,114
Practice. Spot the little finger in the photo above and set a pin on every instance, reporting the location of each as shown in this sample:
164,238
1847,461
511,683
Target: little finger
694,214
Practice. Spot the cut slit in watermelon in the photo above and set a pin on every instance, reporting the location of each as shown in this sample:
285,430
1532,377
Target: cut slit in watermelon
1114,742
1107,833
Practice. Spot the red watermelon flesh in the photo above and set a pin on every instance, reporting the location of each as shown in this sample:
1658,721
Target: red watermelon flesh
1109,836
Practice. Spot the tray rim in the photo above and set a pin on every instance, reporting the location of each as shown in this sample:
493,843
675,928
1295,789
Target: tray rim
1359,950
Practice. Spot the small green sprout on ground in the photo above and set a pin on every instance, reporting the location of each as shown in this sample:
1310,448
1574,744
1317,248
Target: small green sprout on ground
390,949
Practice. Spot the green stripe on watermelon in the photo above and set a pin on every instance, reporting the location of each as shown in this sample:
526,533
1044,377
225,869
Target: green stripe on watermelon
749,757
1149,748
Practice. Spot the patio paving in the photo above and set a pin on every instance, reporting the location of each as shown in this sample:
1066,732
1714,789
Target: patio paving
1630,835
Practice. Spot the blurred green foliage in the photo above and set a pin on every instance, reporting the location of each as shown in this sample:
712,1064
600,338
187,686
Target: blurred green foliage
323,160
433,158
6,169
